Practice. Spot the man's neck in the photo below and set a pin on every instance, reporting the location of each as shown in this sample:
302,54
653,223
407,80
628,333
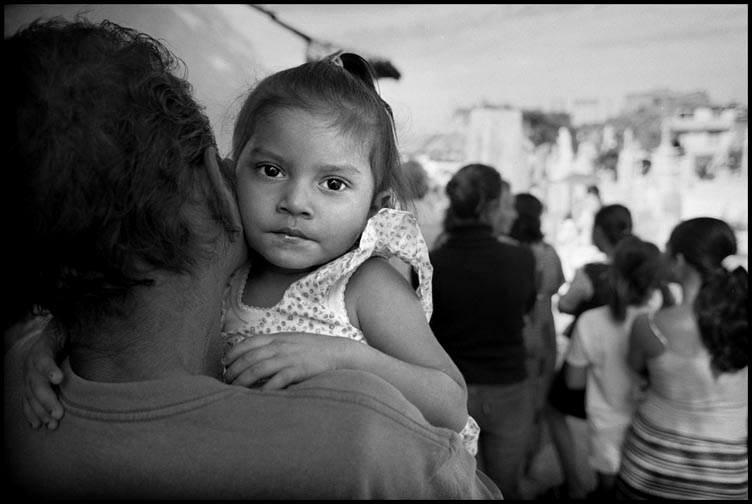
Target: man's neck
172,330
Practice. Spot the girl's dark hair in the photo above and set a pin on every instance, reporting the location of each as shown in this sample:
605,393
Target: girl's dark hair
637,270
721,304
615,221
527,226
469,191
341,88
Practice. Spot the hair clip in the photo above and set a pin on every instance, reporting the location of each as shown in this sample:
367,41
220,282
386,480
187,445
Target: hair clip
335,58
731,262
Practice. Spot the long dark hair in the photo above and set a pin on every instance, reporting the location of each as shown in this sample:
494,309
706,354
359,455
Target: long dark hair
721,303
527,226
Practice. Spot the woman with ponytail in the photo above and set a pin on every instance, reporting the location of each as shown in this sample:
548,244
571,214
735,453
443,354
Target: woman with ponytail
688,439
482,289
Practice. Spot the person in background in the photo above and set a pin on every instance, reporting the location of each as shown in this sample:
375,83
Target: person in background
584,212
131,231
421,198
482,290
539,331
598,356
590,288
417,179
689,437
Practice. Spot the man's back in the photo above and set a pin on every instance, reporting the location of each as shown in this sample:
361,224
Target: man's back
340,435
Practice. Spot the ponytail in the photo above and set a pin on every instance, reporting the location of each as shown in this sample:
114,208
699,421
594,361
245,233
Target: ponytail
721,304
721,309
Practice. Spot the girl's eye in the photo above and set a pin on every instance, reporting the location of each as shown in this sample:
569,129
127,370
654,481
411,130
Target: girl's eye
335,184
270,170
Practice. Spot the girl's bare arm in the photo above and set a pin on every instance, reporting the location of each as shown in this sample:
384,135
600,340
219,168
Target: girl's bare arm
402,348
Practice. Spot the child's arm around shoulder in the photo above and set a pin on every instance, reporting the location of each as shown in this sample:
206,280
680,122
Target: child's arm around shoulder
402,347
41,372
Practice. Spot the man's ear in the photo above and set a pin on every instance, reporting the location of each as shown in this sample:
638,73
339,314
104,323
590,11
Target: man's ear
220,175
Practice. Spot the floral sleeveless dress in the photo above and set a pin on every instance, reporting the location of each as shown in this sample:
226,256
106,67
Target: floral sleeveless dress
316,302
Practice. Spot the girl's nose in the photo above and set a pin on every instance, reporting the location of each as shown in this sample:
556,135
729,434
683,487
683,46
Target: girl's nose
296,200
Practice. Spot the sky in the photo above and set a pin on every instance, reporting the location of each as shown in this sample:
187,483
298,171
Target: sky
538,56
454,56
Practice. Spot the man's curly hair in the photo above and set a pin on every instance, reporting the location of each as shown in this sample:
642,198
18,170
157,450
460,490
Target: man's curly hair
105,165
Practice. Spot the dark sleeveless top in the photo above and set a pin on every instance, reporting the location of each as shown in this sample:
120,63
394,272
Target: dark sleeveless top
564,399
598,273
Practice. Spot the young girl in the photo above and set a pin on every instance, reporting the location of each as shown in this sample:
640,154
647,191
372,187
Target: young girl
598,355
318,183
589,289
689,437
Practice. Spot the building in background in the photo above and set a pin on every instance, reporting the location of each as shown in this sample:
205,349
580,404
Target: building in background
711,137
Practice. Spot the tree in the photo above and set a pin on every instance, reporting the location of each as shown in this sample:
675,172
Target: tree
543,127
645,123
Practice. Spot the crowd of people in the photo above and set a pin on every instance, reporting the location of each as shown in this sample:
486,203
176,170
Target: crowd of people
187,325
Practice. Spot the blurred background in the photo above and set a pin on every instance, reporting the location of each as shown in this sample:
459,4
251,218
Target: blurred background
646,103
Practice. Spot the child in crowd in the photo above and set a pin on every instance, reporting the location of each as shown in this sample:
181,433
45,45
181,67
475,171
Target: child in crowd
589,289
598,355
319,187
689,436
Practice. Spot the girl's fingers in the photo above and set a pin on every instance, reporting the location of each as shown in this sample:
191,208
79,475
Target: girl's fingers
46,366
243,347
35,412
41,392
33,419
247,376
282,379
248,360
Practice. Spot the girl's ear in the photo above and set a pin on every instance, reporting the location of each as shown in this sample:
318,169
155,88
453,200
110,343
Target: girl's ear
384,199
221,174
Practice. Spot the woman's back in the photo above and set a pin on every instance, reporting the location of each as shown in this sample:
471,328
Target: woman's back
481,290
684,391
688,439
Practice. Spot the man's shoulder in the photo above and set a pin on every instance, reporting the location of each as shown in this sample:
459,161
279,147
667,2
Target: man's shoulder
371,394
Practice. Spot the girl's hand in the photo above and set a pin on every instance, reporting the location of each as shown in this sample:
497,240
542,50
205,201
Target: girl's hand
284,358
40,403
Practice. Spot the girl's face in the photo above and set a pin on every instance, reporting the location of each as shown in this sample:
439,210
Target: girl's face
304,190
